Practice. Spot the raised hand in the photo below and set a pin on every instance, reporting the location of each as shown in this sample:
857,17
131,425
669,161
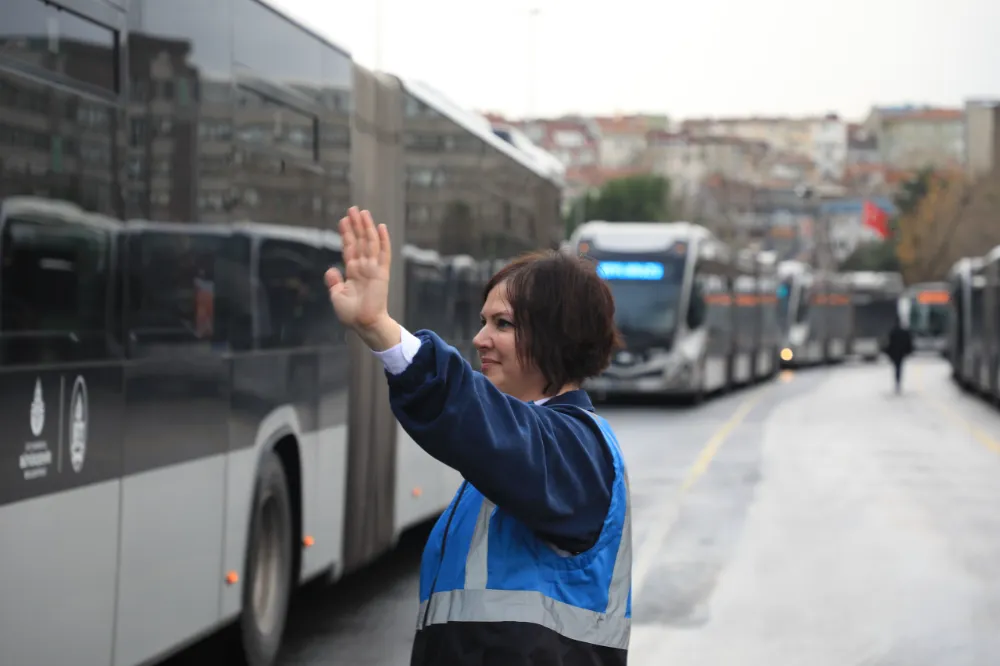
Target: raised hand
361,300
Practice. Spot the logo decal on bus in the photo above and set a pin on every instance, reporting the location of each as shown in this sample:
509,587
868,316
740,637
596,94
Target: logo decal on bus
78,424
37,410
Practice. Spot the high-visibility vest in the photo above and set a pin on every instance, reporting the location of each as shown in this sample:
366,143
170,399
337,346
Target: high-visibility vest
492,591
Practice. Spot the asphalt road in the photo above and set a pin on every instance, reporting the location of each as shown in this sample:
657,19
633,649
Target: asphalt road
820,519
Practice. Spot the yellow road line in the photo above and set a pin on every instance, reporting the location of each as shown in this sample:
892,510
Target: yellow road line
961,421
704,458
650,550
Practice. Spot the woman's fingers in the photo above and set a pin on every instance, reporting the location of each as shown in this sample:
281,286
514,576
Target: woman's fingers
385,247
371,235
347,236
361,235
363,239
333,278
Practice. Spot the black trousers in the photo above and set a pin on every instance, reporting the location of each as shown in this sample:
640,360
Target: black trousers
898,365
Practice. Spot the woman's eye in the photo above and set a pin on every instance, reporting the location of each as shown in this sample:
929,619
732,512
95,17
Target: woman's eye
503,323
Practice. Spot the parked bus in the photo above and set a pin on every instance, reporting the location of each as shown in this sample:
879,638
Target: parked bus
874,297
923,309
189,434
686,305
816,314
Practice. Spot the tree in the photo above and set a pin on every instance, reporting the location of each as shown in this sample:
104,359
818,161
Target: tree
931,207
913,191
954,217
640,198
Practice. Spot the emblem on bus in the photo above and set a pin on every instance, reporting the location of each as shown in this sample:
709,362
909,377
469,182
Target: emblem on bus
624,358
37,410
78,424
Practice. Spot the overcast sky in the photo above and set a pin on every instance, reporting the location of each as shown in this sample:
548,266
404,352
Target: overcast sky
686,58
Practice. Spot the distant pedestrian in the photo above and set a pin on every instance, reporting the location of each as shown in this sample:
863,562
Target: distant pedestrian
898,346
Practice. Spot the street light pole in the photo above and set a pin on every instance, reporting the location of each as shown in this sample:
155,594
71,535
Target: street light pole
378,34
823,246
533,14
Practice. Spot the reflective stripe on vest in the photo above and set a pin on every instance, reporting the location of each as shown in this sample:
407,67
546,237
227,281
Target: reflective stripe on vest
476,603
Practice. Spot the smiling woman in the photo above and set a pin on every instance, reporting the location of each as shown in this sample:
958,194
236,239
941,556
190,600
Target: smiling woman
545,499
548,324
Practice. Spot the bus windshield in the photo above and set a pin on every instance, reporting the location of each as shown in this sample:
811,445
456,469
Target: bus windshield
647,293
926,319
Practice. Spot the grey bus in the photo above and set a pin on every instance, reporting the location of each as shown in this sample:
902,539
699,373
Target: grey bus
696,317
874,298
188,434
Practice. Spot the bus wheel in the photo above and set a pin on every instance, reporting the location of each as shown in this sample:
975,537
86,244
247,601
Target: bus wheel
267,588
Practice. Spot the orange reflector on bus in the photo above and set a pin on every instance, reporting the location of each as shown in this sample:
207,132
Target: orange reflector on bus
232,578
308,541
417,492
932,297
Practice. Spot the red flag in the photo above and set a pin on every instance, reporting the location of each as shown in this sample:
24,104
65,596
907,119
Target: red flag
875,219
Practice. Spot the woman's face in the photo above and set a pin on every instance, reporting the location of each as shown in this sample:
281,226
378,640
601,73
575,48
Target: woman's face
495,344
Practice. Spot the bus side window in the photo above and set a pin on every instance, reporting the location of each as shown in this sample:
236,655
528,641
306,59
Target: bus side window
696,308
290,292
805,303
175,295
54,291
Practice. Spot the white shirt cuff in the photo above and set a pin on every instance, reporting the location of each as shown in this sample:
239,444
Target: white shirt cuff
397,359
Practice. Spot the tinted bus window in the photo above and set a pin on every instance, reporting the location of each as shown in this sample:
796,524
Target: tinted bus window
288,273
174,291
54,287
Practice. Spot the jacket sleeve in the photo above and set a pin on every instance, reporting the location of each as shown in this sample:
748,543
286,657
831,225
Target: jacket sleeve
548,467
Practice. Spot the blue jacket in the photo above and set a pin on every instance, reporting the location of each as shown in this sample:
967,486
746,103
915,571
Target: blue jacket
564,470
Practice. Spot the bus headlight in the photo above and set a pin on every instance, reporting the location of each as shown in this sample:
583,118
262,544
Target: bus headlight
787,354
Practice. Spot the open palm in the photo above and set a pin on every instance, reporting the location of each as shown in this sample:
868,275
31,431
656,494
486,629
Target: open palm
361,300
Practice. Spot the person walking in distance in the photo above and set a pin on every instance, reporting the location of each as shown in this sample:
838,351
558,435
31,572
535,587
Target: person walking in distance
898,346
531,563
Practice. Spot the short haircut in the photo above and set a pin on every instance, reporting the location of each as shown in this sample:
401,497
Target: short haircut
564,316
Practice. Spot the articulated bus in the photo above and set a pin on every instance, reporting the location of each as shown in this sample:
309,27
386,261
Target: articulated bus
923,309
696,318
972,316
874,298
188,433
816,315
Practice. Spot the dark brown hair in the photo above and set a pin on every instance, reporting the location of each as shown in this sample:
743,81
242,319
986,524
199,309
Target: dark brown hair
564,316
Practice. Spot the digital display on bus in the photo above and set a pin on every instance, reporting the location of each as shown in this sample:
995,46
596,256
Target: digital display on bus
630,270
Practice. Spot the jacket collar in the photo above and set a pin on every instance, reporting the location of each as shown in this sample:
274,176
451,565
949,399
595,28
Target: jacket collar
577,398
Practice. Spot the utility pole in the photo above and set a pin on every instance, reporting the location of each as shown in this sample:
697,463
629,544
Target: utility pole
533,14
379,7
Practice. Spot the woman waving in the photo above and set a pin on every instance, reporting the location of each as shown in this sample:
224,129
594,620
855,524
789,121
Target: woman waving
531,562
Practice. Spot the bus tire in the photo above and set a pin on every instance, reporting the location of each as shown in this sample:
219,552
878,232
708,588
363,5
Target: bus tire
267,589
